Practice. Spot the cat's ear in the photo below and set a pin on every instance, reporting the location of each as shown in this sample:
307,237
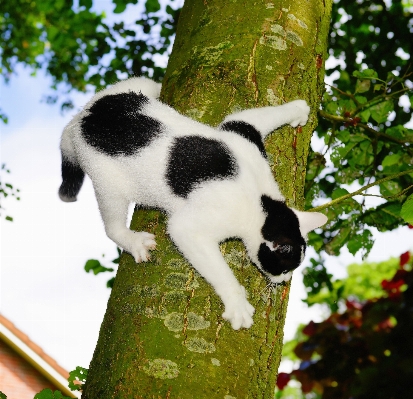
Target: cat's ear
310,220
267,203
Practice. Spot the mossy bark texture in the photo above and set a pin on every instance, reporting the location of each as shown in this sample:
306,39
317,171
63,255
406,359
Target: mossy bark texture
163,335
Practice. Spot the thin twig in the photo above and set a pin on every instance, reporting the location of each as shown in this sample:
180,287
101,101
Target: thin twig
342,119
389,197
344,197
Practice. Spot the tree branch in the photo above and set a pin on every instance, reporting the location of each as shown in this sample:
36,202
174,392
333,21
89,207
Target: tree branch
344,197
342,119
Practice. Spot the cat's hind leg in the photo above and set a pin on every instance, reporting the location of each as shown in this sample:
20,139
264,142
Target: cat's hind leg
203,252
114,211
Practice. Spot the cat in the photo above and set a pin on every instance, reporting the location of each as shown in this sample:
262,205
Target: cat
213,183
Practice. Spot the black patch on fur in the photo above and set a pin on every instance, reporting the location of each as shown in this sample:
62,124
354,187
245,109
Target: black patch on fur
247,131
195,159
116,126
282,229
73,177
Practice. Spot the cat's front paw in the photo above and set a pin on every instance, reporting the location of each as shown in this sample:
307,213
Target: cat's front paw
299,112
239,312
142,243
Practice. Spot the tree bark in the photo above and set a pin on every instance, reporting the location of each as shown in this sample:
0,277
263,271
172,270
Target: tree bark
163,335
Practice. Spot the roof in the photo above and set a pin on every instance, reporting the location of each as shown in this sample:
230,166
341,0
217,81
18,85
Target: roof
35,355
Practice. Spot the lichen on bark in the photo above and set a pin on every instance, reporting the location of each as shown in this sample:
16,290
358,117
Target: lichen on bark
163,335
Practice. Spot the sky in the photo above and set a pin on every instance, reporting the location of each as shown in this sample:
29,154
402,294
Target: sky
44,289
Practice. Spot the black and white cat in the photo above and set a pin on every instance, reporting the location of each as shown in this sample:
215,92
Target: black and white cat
213,183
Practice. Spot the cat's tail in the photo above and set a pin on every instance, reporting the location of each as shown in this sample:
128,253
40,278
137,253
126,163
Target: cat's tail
72,173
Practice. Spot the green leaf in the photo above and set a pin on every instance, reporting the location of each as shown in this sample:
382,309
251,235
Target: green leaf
315,165
79,375
381,111
411,101
59,395
339,192
366,74
85,3
365,115
391,160
91,264
96,267
48,394
152,6
378,87
407,210
347,105
9,218
359,241
316,277
361,99
2,395
390,187
392,208
331,107
400,132
363,85
117,260
315,240
120,6
333,247
344,136
110,282
3,117
362,155
169,10
385,217
347,152
44,394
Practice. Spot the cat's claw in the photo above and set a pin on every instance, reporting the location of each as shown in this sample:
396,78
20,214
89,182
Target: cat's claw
301,112
239,313
143,242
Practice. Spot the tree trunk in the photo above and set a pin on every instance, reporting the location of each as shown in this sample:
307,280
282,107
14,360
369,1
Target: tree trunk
163,335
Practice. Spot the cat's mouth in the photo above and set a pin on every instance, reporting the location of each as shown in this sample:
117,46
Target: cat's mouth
283,277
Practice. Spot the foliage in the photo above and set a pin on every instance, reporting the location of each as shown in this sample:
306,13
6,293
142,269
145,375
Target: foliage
362,125
77,378
49,394
374,34
95,266
7,189
78,46
365,148
362,283
366,350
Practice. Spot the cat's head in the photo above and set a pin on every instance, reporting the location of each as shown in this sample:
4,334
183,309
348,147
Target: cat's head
284,233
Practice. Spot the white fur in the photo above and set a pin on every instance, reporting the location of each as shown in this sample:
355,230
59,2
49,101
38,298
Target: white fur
214,211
